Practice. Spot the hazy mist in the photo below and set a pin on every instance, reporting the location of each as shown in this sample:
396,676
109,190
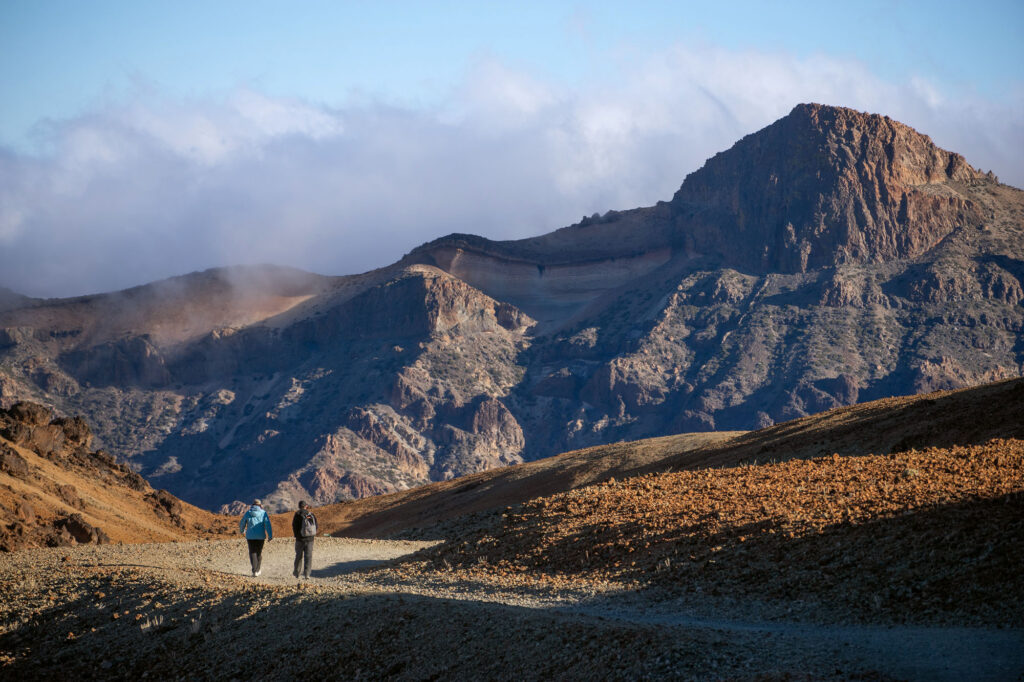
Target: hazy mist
145,187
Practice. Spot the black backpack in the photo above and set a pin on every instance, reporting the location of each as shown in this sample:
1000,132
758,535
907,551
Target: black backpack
308,528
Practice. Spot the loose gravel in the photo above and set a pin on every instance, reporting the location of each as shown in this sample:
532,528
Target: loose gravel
191,611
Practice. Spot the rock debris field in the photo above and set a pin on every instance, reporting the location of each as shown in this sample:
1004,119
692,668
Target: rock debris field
869,568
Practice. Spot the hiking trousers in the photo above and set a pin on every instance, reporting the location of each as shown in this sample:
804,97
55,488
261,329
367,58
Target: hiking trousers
303,556
255,554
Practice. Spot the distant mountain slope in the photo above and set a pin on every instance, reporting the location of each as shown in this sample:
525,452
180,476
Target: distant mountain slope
172,310
831,258
824,187
945,419
11,299
54,491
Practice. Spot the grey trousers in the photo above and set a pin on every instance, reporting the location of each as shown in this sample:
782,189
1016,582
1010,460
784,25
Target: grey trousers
255,553
303,556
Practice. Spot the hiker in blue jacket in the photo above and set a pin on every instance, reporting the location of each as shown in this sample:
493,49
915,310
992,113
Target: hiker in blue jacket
256,525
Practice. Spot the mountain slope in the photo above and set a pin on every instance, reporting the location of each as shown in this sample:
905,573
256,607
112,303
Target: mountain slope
927,536
944,419
870,567
54,491
832,258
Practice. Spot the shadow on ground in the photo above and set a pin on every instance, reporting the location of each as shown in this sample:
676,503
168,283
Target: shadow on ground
285,633
344,567
134,625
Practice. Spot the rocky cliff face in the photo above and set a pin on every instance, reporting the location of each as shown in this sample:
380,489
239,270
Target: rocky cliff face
370,388
824,187
831,258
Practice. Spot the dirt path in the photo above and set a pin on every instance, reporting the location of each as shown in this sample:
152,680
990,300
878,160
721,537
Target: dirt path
221,567
332,557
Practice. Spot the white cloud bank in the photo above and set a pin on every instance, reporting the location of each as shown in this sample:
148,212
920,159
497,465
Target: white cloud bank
150,188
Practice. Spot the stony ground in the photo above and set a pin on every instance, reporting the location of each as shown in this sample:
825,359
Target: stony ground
861,568
929,537
190,611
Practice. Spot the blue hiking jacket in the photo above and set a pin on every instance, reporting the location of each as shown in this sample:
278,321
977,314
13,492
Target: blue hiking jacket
256,524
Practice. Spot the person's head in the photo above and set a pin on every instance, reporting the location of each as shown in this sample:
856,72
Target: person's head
257,502
302,504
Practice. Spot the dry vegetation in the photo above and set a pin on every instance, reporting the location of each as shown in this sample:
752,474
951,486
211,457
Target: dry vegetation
426,505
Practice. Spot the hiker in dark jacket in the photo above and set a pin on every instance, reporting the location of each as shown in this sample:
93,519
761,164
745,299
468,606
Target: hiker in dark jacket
256,525
304,529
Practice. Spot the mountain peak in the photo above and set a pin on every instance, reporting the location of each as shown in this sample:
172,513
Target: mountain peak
912,156
826,185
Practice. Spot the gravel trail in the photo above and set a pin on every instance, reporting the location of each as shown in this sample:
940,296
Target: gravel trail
127,611
332,557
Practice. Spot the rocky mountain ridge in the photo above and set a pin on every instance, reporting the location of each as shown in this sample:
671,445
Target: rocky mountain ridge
831,258
55,491
822,187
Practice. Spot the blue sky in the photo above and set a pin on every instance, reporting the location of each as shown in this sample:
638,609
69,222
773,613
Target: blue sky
151,139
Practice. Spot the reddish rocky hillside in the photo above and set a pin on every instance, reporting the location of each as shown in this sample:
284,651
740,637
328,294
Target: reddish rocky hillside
55,491
944,419
928,535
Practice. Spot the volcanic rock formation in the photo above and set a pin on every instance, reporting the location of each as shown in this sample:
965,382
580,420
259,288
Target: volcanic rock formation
830,258
55,491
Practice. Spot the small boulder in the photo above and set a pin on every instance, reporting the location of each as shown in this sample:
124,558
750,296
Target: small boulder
24,511
61,537
48,441
76,431
135,481
12,463
31,414
106,459
15,431
81,530
69,494
163,501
